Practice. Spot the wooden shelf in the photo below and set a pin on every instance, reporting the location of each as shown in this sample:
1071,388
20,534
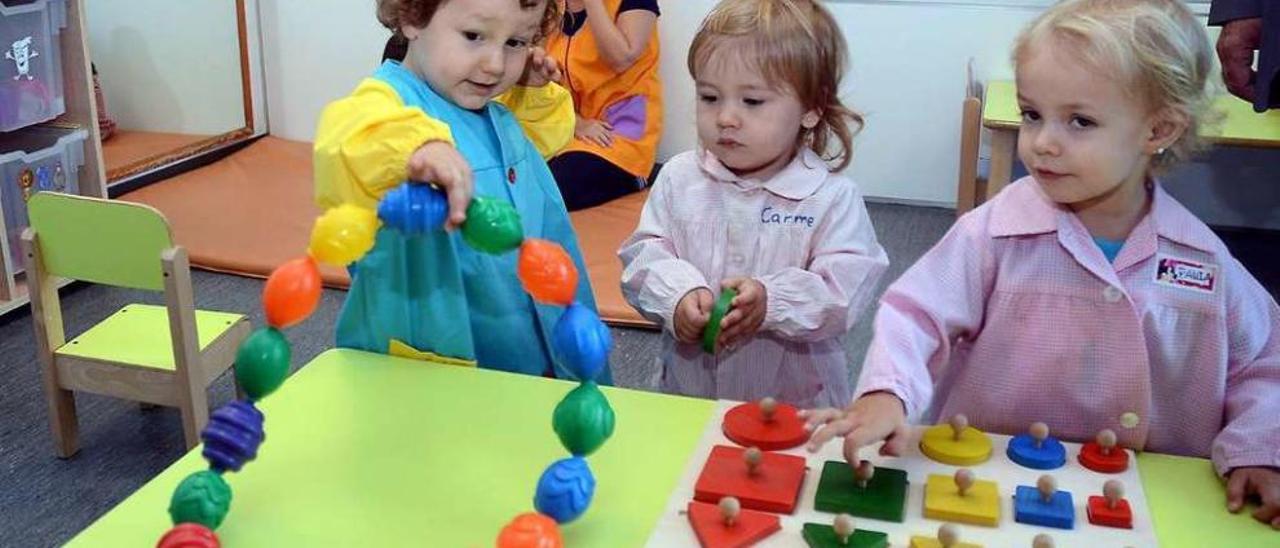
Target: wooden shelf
77,79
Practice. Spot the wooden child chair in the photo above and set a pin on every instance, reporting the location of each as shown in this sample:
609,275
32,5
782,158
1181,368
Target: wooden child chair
971,188
162,355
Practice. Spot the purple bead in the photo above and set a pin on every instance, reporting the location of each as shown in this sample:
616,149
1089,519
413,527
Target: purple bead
232,436
413,208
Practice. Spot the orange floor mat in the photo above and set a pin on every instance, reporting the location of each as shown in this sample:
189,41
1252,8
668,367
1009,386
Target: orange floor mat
252,210
126,148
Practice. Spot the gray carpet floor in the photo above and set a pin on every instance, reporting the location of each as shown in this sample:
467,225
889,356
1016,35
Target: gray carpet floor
45,501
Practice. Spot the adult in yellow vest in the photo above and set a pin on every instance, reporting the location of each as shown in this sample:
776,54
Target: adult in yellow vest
609,54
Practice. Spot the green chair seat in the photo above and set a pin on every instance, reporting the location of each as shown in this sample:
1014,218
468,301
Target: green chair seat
138,334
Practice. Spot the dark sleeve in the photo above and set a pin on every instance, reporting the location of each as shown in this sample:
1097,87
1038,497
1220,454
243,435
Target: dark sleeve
647,5
1225,11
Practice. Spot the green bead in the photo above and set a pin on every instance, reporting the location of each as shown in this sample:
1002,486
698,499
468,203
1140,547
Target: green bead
583,420
262,363
203,497
492,226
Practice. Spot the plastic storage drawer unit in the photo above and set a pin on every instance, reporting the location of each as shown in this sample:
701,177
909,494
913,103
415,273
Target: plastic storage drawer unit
32,160
31,70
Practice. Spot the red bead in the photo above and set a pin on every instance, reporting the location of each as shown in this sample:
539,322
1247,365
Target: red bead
189,535
511,175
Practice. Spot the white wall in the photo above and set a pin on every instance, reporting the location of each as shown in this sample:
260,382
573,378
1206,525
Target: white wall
168,66
907,77
315,51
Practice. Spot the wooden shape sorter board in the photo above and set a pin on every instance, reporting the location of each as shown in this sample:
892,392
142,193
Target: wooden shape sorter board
818,535
939,443
980,505
746,426
672,527
884,497
774,488
748,529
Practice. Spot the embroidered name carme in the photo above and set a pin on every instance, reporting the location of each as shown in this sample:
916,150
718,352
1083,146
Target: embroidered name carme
1185,274
769,215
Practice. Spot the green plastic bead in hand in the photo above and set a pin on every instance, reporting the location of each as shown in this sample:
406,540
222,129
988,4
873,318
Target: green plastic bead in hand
718,312
492,226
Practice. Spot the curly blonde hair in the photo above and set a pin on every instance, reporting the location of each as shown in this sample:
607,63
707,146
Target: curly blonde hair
1155,49
417,13
799,44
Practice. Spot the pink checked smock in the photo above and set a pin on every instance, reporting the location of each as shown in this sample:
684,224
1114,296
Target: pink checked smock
804,234
1016,316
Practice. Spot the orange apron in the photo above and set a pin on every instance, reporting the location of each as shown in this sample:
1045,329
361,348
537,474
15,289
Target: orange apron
631,102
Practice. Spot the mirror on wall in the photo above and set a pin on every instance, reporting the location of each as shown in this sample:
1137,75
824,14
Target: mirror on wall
172,80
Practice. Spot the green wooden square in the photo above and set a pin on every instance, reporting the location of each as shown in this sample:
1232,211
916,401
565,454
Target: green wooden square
824,536
884,498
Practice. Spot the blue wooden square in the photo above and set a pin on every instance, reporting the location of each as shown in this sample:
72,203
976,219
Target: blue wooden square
1029,507
1051,454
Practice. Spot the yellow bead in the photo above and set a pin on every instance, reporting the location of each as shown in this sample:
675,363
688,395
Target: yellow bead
343,234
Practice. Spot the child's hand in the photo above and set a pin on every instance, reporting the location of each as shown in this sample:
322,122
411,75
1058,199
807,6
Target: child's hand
875,416
540,70
746,313
439,163
594,131
1256,480
692,313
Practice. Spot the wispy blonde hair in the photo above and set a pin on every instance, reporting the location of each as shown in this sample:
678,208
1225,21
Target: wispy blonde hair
791,42
1155,49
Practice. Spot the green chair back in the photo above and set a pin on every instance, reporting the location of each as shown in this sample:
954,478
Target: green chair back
100,241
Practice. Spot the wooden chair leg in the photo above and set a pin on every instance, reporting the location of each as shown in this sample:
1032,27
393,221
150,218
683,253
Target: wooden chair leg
62,421
46,315
195,415
189,378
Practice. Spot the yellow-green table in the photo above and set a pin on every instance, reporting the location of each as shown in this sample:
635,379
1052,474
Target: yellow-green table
1239,126
372,450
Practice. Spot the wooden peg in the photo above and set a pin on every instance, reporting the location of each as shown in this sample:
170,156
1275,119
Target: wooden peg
948,535
1047,486
1106,441
767,407
844,527
864,472
1039,432
958,424
1042,541
753,456
729,509
1113,490
964,480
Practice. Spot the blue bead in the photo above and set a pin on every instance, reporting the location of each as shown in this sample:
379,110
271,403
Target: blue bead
232,436
582,342
414,209
565,489
1051,454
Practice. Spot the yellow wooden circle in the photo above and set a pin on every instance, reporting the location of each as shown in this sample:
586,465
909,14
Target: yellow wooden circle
939,443
979,506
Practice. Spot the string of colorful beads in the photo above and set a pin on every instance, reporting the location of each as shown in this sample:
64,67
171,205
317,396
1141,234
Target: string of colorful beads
583,420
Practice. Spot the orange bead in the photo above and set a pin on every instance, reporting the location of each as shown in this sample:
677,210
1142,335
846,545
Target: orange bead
292,292
547,272
530,530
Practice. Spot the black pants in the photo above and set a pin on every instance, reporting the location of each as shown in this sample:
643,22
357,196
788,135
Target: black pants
587,180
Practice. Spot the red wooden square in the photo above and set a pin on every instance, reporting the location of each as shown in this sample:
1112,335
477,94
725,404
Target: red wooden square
1120,516
774,488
